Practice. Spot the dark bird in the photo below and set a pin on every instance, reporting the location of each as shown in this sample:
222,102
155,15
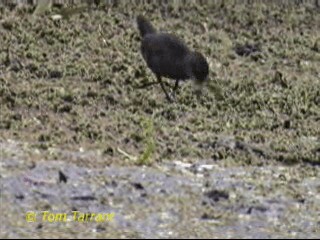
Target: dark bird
168,56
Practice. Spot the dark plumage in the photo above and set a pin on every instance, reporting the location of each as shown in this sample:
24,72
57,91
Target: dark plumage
167,56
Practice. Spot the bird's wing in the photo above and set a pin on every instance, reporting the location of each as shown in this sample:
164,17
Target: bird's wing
164,45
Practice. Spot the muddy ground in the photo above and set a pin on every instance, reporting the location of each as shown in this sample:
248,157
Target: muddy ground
78,134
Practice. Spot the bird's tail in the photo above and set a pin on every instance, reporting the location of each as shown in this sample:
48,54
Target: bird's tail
144,26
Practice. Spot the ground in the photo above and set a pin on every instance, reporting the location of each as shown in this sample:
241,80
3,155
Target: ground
242,159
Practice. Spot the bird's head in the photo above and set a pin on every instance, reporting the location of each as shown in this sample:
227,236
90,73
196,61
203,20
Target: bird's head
199,68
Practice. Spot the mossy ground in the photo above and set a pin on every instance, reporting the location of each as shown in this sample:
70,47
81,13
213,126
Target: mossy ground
71,83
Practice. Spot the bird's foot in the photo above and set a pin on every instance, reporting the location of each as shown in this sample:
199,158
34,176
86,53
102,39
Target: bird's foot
173,96
170,98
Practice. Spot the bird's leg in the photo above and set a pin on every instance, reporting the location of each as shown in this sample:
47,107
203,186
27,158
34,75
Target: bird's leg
163,88
175,88
176,85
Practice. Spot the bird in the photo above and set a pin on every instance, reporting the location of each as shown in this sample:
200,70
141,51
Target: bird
168,56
